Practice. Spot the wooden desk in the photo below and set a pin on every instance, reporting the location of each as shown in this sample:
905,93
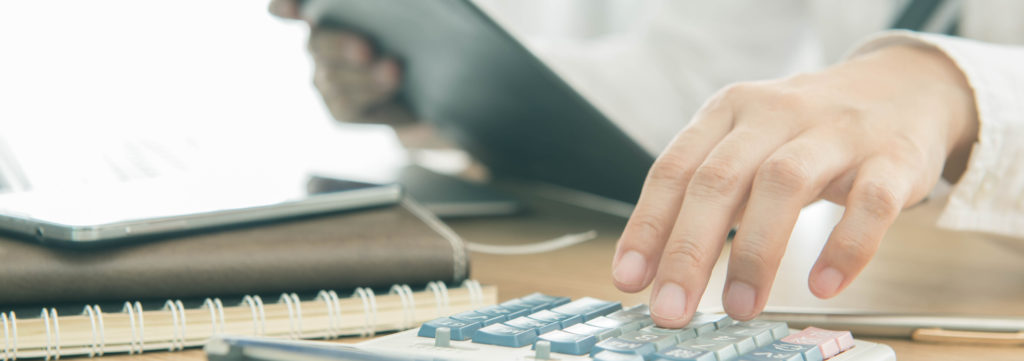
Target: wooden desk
914,270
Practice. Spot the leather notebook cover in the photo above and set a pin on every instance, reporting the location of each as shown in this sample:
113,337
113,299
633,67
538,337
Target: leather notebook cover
369,248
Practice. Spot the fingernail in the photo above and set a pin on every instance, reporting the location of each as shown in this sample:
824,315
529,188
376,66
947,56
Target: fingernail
670,303
739,299
828,281
631,270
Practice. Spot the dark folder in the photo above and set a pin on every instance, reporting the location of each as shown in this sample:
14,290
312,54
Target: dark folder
402,244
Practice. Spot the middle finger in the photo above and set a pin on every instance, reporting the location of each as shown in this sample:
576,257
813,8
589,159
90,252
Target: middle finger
712,198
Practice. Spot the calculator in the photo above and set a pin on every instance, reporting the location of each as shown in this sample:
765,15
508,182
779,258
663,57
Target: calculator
541,327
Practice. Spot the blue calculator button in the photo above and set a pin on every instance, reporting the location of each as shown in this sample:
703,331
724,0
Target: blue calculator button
540,298
529,323
483,318
619,345
569,343
615,356
496,311
678,353
588,307
551,316
460,330
516,308
504,335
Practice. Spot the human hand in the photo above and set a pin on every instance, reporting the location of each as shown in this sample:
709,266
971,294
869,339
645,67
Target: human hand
873,134
356,83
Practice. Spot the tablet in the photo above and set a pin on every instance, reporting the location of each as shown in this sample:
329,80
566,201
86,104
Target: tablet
101,214
487,92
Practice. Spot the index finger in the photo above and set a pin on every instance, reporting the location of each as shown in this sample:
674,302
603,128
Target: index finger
639,247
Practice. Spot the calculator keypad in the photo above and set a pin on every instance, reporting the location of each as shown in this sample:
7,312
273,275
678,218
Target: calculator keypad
605,331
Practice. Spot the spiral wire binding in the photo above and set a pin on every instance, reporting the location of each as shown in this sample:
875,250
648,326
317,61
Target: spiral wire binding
220,312
408,304
298,314
337,307
103,332
7,337
259,317
476,293
56,331
49,337
184,324
291,314
13,331
131,320
134,311
208,304
169,305
87,311
369,311
326,297
142,327
440,297
10,354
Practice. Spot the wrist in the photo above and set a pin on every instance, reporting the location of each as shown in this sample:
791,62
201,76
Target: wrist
930,75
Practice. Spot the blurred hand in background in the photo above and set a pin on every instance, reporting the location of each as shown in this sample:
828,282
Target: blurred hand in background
357,83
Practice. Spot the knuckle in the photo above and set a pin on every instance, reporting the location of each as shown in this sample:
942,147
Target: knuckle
737,91
908,152
854,249
785,175
669,169
755,259
878,200
715,179
789,100
686,253
645,227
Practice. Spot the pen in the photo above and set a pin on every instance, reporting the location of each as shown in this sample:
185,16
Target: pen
988,330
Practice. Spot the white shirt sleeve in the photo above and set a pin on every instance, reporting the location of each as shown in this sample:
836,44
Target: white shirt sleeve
989,197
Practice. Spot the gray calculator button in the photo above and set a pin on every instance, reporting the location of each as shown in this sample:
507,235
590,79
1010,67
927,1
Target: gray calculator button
619,345
723,351
504,335
660,341
761,336
615,356
588,307
778,329
529,323
562,320
599,332
679,353
681,334
459,330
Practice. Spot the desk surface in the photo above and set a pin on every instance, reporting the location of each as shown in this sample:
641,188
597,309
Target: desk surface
916,269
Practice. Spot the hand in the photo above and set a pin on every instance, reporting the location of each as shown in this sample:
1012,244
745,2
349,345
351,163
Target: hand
356,83
873,134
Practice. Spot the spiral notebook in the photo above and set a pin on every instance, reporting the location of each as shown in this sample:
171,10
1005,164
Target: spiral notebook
134,330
